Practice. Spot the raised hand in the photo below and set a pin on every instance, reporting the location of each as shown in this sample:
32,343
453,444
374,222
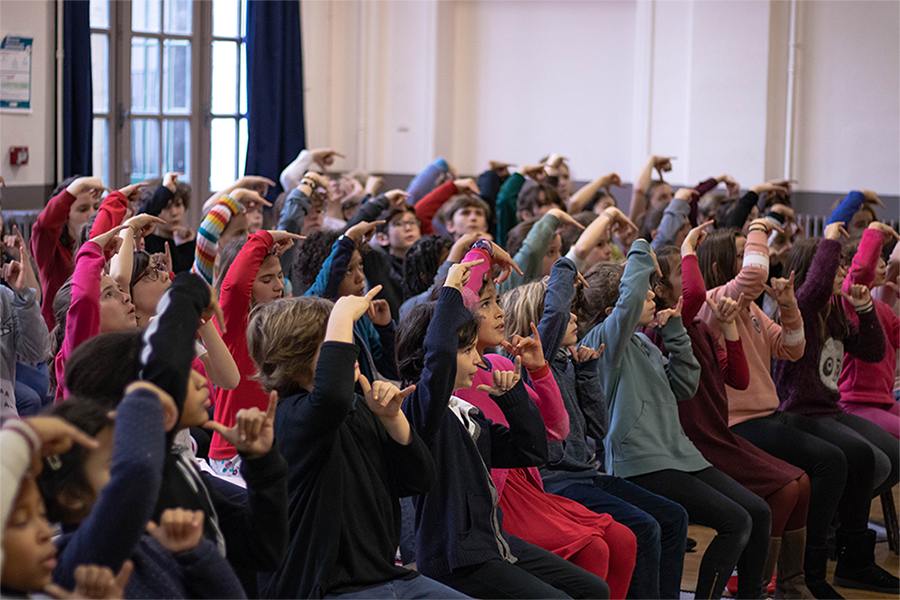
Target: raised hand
213,309
584,354
536,172
254,430
656,263
383,397
397,198
373,184
663,316
501,168
14,275
859,295
695,237
501,257
835,230
362,232
324,157
249,199
503,380
619,221
166,402
461,246
284,240
354,307
663,164
183,234
57,437
85,184
143,225
255,182
133,192
767,225
529,349
170,181
782,291
95,583
565,218
109,241
872,198
886,230
459,274
731,185
611,179
164,258
726,310
379,313
467,185
179,530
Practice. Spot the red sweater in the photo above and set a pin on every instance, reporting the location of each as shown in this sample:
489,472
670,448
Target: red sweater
428,206
235,300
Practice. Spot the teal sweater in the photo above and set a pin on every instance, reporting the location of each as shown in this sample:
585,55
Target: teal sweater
642,387
530,256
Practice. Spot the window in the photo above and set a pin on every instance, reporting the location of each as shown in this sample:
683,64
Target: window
169,91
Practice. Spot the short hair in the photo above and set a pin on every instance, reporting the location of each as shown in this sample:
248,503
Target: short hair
102,367
283,338
182,191
388,215
410,346
523,306
422,263
603,279
312,254
458,202
530,198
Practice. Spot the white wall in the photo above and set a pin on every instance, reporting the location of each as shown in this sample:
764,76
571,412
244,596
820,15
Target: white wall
394,84
35,18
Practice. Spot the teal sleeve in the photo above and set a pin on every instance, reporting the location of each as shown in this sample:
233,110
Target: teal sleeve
506,206
682,368
530,256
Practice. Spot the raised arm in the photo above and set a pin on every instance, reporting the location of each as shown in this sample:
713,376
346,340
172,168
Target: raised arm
423,183
557,306
848,207
577,201
642,183
208,234
673,219
682,368
428,206
237,287
530,256
693,288
816,291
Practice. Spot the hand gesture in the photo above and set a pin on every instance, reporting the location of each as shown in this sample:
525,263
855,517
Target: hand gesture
872,198
170,181
318,178
529,349
886,230
143,225
619,222
503,380
362,232
373,184
397,198
96,583
324,157
166,402
459,274
284,240
782,291
57,437
15,245
695,237
213,309
656,263
255,182
662,164
461,246
766,224
249,199
164,258
584,354
835,230
85,184
183,234
858,296
254,430
726,310
379,312
536,172
109,241
353,307
383,397
773,187
179,530
505,261
565,218
500,168
14,275
687,194
466,186
133,192
663,316
554,161
611,179
731,185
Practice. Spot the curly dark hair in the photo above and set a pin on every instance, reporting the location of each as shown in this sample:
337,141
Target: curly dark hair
410,346
423,259
312,253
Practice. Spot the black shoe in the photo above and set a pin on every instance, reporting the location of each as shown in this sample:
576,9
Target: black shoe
821,590
872,578
691,545
814,565
856,566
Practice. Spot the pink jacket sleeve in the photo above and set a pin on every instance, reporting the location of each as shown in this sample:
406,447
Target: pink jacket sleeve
545,394
788,340
751,279
862,269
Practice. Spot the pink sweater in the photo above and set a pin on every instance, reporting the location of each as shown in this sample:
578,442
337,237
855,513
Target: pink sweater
83,316
544,393
862,382
762,338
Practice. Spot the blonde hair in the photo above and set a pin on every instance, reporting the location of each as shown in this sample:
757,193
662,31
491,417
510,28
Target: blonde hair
523,306
283,338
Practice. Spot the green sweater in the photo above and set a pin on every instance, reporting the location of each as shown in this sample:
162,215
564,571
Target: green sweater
642,387
507,201
530,256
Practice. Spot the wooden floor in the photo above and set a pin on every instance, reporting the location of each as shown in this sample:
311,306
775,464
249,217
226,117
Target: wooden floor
883,556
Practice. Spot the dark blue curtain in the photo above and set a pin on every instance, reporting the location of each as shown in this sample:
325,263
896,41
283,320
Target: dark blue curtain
77,89
276,133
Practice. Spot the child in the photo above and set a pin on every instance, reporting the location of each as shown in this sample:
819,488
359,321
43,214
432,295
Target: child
460,540
594,245
384,263
350,457
254,278
453,207
645,442
169,201
536,245
659,525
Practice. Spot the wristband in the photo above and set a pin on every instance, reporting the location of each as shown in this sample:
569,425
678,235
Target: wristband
486,245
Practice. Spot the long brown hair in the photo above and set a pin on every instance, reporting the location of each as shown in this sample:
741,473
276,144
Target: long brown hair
717,255
799,260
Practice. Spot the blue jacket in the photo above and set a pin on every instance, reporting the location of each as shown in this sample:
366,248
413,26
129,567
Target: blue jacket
458,522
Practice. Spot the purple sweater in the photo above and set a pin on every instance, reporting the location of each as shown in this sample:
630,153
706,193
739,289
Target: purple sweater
810,385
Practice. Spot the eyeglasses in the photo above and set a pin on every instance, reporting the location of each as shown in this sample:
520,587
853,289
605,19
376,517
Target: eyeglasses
152,272
404,224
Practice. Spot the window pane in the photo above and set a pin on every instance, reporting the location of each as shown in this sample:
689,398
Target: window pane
243,18
144,149
242,146
100,71
101,150
145,15
144,75
178,16
225,18
100,14
177,147
243,88
177,72
224,77
221,155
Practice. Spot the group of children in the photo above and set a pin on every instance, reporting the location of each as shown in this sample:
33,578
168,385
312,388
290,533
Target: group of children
491,388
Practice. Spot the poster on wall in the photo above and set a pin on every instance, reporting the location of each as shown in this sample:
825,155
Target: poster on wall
15,74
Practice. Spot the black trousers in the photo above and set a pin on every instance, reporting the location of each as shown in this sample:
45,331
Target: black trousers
536,574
